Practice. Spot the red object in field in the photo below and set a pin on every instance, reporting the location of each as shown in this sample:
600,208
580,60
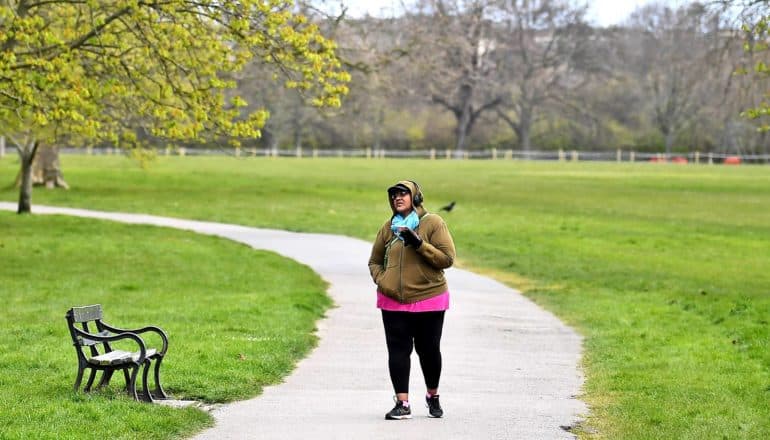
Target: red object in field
657,159
678,159
732,160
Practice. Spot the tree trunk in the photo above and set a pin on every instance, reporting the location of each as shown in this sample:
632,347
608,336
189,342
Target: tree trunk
297,137
524,141
463,117
268,140
46,169
297,125
669,143
522,128
378,124
26,156
462,134
525,128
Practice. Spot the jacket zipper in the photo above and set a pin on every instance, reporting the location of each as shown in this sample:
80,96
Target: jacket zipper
401,274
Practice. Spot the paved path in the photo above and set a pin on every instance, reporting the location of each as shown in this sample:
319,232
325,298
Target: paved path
510,368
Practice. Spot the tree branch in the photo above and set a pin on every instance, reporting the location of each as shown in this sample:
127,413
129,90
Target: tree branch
491,104
456,110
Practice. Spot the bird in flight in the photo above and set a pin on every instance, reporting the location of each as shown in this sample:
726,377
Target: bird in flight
448,208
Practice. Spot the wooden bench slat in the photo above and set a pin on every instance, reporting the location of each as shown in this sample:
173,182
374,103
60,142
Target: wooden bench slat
89,342
87,313
117,357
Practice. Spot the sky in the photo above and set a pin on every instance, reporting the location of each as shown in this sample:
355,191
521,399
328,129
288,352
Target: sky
600,12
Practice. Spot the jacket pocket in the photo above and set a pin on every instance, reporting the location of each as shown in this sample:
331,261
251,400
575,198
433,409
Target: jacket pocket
389,280
430,275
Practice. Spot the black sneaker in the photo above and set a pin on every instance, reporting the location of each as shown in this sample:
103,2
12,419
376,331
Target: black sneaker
434,407
399,412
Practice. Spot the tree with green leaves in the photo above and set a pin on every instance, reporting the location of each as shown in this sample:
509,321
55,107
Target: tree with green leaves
103,69
756,28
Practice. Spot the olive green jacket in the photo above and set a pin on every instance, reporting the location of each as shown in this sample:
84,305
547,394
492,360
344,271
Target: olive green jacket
409,275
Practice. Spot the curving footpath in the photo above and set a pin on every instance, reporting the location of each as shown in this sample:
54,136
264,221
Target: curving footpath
511,369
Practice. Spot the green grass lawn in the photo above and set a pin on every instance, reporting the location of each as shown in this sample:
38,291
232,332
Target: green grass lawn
237,319
665,269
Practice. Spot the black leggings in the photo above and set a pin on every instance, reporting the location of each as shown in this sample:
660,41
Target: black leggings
404,330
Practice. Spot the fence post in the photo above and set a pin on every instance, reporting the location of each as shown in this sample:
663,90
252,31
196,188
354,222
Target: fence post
368,152
632,156
574,155
90,150
2,146
448,154
382,153
697,157
315,153
237,151
432,154
494,154
711,158
561,155
299,152
182,151
619,156
509,154
466,155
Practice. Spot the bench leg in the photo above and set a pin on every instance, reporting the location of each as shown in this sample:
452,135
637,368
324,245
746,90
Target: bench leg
132,382
79,378
159,392
90,381
145,389
106,376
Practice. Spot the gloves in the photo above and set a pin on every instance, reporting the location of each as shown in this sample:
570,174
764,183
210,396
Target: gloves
411,238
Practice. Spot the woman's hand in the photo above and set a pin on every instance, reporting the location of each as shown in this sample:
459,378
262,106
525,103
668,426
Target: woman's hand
411,238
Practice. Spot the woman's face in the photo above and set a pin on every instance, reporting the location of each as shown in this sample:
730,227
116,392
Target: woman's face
402,201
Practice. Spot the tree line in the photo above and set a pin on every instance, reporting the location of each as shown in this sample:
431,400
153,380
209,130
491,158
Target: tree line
531,74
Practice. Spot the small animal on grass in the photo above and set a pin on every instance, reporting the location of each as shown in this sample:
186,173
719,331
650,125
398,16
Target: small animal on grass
449,207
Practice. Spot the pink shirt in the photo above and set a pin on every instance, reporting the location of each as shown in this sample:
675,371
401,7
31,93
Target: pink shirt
434,304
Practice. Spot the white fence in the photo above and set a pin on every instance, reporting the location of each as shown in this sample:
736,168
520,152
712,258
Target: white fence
434,154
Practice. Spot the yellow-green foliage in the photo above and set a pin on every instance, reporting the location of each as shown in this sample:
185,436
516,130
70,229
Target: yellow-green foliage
102,68
757,42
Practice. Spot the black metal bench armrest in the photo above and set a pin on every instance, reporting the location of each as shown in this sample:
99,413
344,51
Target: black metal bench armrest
125,335
149,328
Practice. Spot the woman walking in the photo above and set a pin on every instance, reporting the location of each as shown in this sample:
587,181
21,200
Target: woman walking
407,264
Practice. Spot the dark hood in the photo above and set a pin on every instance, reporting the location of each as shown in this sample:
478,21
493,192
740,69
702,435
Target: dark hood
413,191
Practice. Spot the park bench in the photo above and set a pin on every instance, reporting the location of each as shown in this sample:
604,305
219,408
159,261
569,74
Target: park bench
89,332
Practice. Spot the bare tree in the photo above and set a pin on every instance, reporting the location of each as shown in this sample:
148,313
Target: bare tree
543,55
457,44
671,54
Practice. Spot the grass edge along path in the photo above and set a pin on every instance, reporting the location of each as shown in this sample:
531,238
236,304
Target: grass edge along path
238,319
